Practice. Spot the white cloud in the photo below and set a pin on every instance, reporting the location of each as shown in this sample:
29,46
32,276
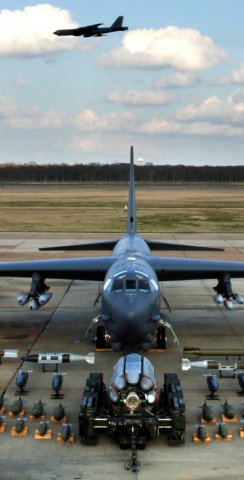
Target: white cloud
177,79
97,142
91,121
182,49
8,106
29,32
236,76
138,98
216,110
162,126
19,81
212,117
33,119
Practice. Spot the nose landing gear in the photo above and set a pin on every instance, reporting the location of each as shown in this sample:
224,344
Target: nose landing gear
161,339
100,337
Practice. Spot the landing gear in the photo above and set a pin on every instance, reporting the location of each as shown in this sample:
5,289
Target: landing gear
161,340
100,337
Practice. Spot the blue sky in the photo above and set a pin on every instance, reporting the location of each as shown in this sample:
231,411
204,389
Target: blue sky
172,86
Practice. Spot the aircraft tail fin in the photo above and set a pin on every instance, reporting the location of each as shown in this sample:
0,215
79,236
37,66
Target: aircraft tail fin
118,23
131,222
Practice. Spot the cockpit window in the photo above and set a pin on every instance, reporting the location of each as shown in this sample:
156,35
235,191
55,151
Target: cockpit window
143,286
153,284
130,286
118,286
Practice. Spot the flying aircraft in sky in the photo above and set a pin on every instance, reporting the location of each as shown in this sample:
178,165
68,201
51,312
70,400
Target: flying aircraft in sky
94,30
131,294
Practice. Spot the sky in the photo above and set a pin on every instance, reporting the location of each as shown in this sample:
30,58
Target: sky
172,85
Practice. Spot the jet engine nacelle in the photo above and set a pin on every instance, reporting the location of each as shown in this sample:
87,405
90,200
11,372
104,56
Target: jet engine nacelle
34,305
23,299
44,298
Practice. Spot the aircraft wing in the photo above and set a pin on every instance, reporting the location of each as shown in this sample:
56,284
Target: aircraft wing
191,269
90,27
69,268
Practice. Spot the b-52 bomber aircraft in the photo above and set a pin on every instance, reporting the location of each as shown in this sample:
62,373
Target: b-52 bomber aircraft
131,295
93,30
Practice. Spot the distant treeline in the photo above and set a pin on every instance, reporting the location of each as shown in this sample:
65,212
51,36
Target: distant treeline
119,173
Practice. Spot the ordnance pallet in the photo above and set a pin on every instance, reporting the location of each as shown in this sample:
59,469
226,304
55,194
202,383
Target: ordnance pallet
218,437
21,414
47,436
3,427
204,422
67,442
24,433
40,419
229,420
63,420
197,440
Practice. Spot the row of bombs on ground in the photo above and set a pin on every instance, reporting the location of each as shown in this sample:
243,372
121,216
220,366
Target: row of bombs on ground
57,382
17,412
229,415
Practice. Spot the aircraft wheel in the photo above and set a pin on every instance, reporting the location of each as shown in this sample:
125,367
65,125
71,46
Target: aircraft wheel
100,341
161,338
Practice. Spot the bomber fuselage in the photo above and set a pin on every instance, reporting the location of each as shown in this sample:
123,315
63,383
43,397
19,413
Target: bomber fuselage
131,295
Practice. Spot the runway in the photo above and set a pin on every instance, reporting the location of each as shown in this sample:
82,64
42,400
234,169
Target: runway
55,327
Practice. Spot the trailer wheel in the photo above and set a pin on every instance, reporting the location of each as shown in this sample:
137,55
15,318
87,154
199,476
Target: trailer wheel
122,446
161,338
141,446
100,340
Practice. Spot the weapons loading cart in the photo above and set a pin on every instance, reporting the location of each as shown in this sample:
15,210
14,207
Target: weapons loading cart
133,410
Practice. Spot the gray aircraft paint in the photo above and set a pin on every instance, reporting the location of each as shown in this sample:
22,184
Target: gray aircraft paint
129,317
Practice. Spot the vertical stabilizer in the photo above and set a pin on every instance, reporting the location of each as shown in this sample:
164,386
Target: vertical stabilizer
118,23
131,223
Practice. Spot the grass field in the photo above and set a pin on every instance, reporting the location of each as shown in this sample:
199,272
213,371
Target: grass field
76,208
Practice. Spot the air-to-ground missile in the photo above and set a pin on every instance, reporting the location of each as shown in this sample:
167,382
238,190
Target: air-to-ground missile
212,352
21,380
17,407
37,410
43,428
58,358
20,425
57,384
222,430
229,411
58,412
207,413
211,364
201,433
66,431
212,386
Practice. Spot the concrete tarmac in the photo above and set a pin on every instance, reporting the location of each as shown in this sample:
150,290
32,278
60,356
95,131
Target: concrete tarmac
64,320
